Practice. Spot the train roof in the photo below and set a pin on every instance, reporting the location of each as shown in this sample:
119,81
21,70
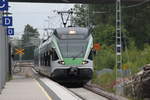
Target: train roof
65,30
72,32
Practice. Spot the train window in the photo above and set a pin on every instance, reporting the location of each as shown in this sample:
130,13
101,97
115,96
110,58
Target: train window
42,59
54,55
45,59
49,58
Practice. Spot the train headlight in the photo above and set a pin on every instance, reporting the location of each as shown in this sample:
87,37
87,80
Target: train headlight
61,62
84,62
71,32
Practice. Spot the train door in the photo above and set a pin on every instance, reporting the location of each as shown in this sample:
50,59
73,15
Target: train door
48,60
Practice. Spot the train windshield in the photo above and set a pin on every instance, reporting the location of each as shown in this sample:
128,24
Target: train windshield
73,48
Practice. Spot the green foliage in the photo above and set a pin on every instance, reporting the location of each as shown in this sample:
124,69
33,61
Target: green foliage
104,34
135,32
102,14
30,39
136,58
106,81
135,29
133,58
29,33
105,58
81,12
135,20
29,53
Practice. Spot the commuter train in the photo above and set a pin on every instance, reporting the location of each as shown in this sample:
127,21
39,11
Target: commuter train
66,56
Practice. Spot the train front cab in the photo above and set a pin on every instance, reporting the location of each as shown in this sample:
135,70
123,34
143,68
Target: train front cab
75,44
73,73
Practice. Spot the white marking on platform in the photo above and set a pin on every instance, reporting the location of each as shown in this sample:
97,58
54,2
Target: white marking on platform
48,97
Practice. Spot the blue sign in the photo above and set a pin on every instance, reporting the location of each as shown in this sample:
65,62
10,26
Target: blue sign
3,5
7,21
10,31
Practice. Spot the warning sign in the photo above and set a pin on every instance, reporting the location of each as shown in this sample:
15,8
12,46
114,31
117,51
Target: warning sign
20,51
97,46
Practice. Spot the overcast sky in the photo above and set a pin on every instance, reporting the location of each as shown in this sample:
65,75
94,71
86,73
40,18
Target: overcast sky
36,14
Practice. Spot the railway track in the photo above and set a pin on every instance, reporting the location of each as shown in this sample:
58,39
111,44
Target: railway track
59,92
87,94
84,93
80,93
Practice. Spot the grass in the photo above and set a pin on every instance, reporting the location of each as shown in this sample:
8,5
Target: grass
106,81
105,58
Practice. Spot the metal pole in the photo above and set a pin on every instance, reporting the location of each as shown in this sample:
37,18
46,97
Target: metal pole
20,55
119,74
0,55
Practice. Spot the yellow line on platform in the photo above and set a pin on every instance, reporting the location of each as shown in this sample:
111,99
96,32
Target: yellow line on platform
45,93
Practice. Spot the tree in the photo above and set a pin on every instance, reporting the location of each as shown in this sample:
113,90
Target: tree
30,36
100,16
30,40
81,15
135,20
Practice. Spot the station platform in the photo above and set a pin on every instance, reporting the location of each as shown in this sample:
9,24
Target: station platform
27,84
24,87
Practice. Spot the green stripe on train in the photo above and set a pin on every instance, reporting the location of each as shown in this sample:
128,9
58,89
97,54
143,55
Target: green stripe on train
73,62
